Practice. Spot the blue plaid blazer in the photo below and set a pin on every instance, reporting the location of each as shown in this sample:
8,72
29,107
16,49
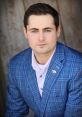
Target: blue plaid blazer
62,92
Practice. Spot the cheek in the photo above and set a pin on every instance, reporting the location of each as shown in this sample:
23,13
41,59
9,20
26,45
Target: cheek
31,42
32,38
52,38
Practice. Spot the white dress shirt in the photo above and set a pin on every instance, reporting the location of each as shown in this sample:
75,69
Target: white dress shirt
41,70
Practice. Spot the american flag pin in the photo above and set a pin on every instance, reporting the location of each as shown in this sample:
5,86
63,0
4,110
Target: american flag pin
54,71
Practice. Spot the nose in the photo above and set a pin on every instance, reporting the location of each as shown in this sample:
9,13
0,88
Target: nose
41,36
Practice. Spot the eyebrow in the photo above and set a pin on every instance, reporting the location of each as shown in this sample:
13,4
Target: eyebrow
33,29
46,28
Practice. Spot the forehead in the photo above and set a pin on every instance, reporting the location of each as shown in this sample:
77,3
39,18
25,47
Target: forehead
40,20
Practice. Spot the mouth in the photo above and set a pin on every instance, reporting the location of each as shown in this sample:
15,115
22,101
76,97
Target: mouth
43,44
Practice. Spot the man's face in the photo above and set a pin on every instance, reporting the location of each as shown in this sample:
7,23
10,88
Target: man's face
41,34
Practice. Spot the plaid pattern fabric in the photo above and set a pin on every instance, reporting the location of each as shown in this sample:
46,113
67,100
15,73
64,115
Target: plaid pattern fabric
62,91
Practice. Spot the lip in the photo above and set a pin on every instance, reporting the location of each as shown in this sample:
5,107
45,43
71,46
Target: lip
41,44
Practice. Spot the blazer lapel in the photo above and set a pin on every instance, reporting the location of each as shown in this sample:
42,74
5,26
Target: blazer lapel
51,77
32,82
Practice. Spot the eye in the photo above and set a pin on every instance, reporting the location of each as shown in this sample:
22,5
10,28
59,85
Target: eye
48,30
34,31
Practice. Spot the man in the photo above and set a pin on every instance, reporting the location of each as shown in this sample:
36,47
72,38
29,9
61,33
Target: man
47,77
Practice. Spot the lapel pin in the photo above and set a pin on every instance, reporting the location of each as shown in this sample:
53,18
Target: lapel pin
54,71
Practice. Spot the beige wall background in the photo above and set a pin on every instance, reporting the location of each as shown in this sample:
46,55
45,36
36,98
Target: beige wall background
12,38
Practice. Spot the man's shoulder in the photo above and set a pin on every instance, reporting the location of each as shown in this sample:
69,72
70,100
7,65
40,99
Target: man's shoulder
71,54
21,56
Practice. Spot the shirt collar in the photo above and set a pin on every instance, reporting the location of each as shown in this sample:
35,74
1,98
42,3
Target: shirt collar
36,66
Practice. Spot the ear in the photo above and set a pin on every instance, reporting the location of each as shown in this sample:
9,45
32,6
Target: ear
58,31
25,32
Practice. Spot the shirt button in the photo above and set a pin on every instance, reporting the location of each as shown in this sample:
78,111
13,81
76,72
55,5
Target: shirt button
40,76
42,89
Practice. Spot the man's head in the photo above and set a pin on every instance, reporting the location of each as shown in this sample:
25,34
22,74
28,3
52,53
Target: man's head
41,9
41,29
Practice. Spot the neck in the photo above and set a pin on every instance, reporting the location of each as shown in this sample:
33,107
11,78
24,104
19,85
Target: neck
42,58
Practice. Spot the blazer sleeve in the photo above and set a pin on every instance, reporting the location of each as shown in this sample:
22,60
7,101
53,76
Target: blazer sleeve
15,105
74,102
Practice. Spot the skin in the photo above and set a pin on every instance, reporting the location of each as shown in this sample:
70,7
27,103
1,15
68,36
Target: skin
42,36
